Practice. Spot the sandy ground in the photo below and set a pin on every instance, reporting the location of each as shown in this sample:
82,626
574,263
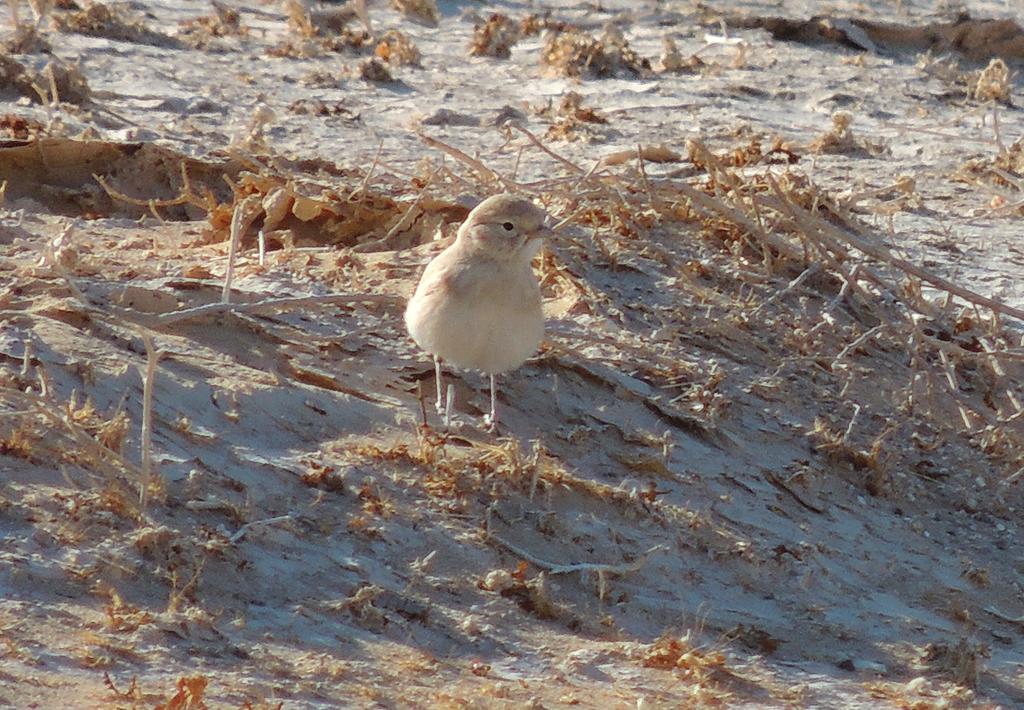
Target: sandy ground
763,459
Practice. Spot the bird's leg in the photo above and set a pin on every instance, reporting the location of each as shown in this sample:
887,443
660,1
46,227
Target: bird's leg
439,404
491,420
448,406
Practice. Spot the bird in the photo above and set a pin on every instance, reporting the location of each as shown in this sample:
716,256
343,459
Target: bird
477,305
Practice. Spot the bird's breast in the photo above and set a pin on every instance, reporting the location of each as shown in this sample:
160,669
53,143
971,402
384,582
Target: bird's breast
486,316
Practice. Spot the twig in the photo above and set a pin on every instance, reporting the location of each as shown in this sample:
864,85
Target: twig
186,197
403,222
272,305
853,421
240,533
643,176
996,131
484,171
781,485
515,168
706,203
26,359
152,358
651,153
369,173
537,142
883,254
794,284
864,337
555,568
1005,617
594,169
242,217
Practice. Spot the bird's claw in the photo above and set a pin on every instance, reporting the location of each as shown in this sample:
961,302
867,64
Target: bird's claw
491,424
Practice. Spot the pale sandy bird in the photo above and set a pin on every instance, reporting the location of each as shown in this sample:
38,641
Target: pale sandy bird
478,303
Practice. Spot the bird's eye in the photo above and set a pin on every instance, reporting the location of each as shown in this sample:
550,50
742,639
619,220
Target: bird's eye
508,226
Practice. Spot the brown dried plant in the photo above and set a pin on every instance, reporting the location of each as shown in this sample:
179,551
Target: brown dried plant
576,54
397,49
110,21
495,37
703,669
188,696
224,21
572,119
673,61
992,83
424,11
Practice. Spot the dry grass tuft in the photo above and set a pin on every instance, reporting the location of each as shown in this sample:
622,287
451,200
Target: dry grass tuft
534,24
110,432
111,22
423,11
373,69
20,127
309,213
533,597
397,49
922,694
73,434
961,662
57,81
188,696
315,32
495,37
14,76
20,442
224,21
841,140
672,61
573,120
121,616
992,83
703,669
574,53
25,39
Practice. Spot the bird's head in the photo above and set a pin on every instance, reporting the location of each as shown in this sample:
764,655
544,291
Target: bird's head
505,227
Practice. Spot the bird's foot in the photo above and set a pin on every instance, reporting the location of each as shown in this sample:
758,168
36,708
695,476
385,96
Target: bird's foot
491,424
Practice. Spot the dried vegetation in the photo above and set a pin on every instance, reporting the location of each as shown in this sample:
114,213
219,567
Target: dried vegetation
574,53
738,286
204,31
111,21
495,37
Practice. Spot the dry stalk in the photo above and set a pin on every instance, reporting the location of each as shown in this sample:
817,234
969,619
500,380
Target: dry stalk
482,170
796,283
547,151
269,306
601,569
244,215
864,338
186,197
369,174
708,203
655,202
407,218
114,465
241,532
152,358
884,254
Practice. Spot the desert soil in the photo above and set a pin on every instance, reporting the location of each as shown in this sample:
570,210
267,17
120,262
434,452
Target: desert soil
769,455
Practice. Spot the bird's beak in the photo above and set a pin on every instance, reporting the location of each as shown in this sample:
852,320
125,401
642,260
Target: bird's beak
544,232
535,240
